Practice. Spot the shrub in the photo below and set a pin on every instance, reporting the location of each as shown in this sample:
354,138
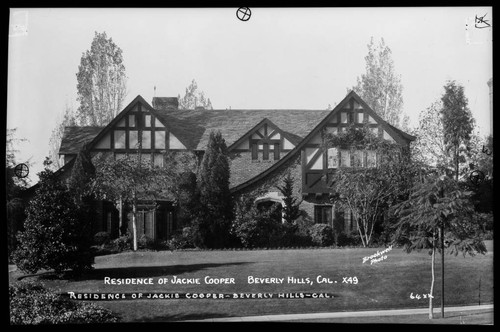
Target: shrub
348,239
145,242
101,238
321,235
31,303
56,231
176,242
255,228
121,243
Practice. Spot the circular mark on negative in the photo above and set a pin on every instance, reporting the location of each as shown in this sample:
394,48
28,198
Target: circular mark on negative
476,177
21,171
243,13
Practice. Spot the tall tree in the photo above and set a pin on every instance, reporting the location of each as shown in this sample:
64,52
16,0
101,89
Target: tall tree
429,147
194,98
380,87
291,210
367,189
458,123
216,207
68,119
101,82
438,209
131,179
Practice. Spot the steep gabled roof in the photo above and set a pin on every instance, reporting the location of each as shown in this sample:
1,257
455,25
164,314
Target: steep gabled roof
393,131
194,126
74,138
294,139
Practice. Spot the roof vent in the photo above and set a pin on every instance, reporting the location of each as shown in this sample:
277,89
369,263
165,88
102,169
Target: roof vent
165,103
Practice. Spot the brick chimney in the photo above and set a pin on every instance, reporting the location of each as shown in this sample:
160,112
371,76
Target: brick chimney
165,103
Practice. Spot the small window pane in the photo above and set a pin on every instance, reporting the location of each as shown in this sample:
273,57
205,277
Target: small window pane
158,124
333,159
359,159
146,139
133,142
131,120
158,159
121,123
371,159
159,140
345,158
119,139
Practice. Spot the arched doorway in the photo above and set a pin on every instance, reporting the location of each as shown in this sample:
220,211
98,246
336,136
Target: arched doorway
271,203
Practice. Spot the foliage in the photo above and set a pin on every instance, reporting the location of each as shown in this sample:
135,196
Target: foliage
145,242
458,123
187,197
437,205
121,243
321,235
132,178
55,236
215,210
194,98
429,147
14,187
255,227
82,174
101,238
101,82
291,209
345,239
181,240
434,203
380,87
31,304
368,191
68,119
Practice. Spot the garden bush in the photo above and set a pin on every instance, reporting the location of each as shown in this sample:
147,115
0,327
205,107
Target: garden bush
56,231
31,303
321,235
101,238
348,239
121,243
145,242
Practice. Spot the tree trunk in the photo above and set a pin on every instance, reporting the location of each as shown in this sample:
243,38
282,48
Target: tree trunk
433,258
120,216
134,222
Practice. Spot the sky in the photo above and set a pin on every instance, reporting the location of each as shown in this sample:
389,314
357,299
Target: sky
297,58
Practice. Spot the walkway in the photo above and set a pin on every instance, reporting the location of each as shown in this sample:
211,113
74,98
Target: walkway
328,315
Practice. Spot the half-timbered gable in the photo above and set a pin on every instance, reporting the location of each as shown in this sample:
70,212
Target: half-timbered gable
263,146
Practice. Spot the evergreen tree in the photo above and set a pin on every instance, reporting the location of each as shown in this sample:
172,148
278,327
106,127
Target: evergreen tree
54,237
216,211
291,209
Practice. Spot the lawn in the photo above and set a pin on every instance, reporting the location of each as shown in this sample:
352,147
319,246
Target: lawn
386,284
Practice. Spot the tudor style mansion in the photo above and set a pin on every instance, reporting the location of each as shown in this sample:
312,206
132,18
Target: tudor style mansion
263,145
